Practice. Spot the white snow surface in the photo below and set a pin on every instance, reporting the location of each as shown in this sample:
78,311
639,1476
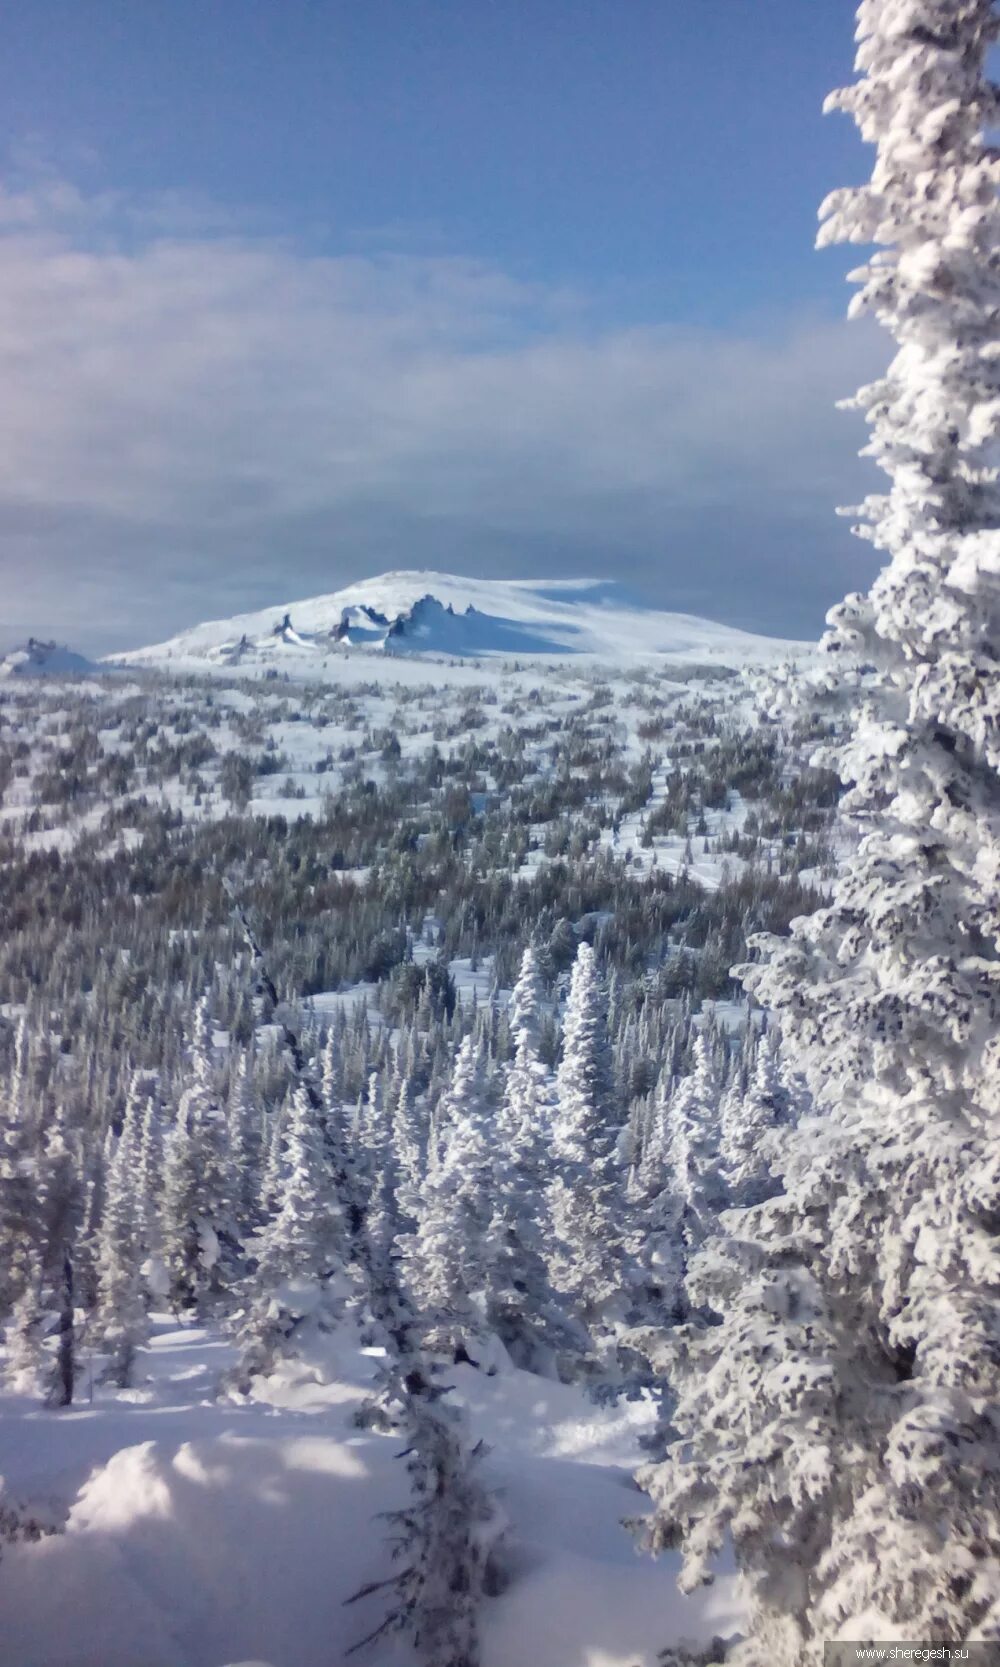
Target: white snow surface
202,1531
440,614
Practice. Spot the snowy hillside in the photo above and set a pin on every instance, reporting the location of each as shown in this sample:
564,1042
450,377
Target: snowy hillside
425,613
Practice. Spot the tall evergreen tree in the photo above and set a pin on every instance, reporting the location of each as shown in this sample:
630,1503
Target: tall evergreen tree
840,1423
445,1260
747,1117
60,1208
689,1136
304,1238
19,1244
521,1306
195,1224
586,1195
120,1320
301,1247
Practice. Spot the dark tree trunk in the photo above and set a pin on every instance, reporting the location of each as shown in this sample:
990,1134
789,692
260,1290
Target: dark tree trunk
62,1387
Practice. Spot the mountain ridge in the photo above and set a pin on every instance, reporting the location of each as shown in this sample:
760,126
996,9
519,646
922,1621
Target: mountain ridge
36,658
441,615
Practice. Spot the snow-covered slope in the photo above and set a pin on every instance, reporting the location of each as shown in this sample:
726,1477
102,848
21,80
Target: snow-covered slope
197,1529
43,659
440,614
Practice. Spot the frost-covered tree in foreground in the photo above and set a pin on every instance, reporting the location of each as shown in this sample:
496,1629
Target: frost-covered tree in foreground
305,1233
445,1261
445,1538
193,1210
521,1306
586,1196
121,1309
840,1423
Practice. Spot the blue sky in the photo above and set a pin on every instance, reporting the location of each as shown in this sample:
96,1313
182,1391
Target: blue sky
292,290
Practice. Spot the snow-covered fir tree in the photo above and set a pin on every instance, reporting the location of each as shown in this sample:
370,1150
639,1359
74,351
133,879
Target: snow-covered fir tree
408,1147
120,1318
59,1179
243,1161
839,1424
588,1265
446,1536
445,1259
19,1246
302,1246
195,1225
747,1115
273,1137
305,1235
656,1217
385,1225
24,1333
521,1306
465,1088
689,1143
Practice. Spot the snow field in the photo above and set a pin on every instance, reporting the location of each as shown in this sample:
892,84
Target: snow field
201,1531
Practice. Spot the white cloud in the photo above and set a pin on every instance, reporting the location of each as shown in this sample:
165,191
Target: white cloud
194,423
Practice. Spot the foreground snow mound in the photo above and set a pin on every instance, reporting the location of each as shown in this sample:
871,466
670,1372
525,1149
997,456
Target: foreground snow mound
440,614
177,1554
202,1532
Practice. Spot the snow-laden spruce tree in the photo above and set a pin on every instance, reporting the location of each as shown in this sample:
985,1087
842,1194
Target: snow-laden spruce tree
465,1087
747,1117
521,1306
447,1538
243,1170
273,1169
657,1212
679,1190
524,1012
59,1184
18,1204
190,1203
301,1246
586,1195
195,1227
840,1424
148,1175
407,1139
120,1320
384,1224
527,1106
585,1123
444,1261
689,1142
305,1237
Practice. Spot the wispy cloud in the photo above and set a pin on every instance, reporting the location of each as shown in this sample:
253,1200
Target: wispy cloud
197,418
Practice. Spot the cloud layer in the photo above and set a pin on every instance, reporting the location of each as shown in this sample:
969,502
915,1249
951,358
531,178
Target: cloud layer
203,421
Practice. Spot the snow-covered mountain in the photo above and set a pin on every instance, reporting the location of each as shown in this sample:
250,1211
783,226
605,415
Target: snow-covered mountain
441,614
43,659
